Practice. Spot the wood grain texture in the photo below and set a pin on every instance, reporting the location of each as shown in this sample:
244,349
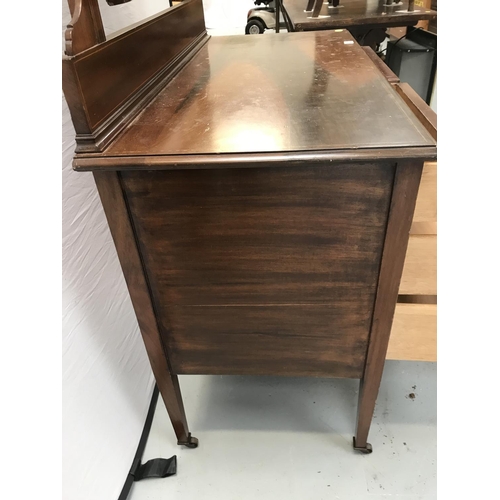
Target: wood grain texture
111,63
284,238
255,236
104,81
353,13
292,340
217,104
414,333
262,206
110,192
403,201
420,268
85,28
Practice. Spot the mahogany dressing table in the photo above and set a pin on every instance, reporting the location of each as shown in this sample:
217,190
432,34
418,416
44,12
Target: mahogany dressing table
259,201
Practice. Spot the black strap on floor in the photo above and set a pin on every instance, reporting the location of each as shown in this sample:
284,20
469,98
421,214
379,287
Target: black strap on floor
159,467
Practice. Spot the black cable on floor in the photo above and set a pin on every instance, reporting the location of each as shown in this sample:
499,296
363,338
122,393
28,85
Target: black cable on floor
142,445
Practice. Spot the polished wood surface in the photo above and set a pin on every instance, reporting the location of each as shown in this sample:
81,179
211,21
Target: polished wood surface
108,84
114,88
355,13
101,162
424,113
224,103
85,28
260,204
381,66
414,333
274,260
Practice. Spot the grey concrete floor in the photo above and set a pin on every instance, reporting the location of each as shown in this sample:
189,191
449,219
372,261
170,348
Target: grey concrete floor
272,438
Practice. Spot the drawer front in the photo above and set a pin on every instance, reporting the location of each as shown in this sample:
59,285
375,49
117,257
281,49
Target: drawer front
414,333
419,272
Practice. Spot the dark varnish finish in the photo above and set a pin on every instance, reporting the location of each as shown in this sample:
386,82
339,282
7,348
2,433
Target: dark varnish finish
85,28
108,84
254,236
240,249
403,202
110,192
260,204
424,113
390,76
289,340
293,92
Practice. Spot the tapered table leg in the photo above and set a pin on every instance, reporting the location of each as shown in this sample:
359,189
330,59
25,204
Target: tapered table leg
404,196
115,208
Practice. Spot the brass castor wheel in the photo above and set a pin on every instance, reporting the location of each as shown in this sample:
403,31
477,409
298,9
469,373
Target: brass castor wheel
364,449
191,442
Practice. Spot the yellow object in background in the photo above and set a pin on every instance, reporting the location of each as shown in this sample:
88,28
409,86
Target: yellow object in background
423,4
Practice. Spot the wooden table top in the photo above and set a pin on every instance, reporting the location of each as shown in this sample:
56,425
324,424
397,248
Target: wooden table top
286,93
355,13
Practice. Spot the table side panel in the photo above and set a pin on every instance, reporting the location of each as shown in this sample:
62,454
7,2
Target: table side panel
265,270
293,340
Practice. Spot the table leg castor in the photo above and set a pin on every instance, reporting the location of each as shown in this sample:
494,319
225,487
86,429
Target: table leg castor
191,442
363,449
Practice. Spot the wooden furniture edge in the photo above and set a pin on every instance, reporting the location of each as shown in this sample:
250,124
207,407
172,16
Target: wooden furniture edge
101,162
382,67
85,28
101,137
422,111
117,214
403,201
95,126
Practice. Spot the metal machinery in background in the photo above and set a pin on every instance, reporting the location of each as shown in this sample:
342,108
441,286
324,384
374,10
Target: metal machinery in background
414,58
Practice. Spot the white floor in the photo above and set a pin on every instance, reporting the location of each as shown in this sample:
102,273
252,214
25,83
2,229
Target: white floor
288,438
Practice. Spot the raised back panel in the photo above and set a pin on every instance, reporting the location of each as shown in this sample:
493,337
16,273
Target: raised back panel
106,85
265,270
85,28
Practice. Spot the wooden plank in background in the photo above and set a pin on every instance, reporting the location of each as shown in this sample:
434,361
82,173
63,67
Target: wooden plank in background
414,333
426,208
420,269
